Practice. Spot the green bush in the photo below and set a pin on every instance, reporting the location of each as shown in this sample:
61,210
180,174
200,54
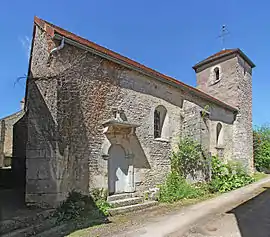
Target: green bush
103,206
99,194
176,188
261,148
227,177
188,158
79,206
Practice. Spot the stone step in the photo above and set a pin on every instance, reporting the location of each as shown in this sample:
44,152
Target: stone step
131,208
126,202
32,230
20,222
120,196
60,230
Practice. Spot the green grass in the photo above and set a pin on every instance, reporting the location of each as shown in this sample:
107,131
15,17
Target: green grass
259,175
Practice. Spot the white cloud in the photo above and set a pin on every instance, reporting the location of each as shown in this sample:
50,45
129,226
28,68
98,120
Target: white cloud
26,44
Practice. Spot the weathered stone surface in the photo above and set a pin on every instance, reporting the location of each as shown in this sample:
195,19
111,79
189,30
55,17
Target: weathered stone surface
131,208
17,225
235,88
70,97
120,196
126,202
6,137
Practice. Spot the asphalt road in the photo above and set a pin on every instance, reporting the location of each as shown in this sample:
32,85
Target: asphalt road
249,219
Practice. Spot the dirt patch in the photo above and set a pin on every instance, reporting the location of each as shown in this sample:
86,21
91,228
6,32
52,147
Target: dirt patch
131,220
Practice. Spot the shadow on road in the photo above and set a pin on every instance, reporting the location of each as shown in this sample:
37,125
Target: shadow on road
253,216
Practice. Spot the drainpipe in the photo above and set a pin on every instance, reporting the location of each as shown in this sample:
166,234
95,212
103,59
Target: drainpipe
62,44
59,47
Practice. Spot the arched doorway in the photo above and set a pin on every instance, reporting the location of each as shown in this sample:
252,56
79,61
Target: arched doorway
117,170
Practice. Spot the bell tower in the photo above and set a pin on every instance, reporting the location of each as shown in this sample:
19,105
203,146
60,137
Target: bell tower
227,75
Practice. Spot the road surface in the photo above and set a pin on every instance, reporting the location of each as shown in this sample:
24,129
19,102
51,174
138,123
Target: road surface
249,219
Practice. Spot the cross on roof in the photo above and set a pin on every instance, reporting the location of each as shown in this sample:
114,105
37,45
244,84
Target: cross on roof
224,33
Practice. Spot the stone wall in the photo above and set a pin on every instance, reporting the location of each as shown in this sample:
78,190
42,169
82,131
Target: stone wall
20,138
234,88
2,140
243,131
6,138
70,96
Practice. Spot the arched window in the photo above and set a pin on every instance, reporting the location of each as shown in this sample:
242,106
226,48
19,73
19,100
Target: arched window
216,70
219,135
159,117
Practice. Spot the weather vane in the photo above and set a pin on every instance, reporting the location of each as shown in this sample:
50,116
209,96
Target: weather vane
224,33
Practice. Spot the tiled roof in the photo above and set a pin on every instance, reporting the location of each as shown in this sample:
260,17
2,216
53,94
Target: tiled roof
223,53
52,30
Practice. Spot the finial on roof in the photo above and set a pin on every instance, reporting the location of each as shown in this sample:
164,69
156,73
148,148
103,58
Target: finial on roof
224,32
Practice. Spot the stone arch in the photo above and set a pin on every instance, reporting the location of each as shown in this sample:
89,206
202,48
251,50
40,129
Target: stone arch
219,135
161,122
118,140
217,73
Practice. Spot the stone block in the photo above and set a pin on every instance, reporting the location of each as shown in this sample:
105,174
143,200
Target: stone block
42,186
35,153
38,168
45,200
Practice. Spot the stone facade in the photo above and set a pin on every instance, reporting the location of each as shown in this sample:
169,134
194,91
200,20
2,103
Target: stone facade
80,104
233,87
6,138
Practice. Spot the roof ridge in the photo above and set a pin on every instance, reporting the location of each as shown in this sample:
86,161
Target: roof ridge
223,53
52,29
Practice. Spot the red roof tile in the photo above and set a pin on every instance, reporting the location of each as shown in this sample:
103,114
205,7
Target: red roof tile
223,53
52,29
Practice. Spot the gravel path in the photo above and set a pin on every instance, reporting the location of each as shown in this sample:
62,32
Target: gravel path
249,219
123,223
241,213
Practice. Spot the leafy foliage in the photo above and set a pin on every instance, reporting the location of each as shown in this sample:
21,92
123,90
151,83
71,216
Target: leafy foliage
103,206
176,188
78,206
188,158
226,177
261,148
99,194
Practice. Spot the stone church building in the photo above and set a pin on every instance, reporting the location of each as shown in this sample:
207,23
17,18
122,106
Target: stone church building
97,119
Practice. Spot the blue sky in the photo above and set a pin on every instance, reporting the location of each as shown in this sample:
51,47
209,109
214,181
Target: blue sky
169,36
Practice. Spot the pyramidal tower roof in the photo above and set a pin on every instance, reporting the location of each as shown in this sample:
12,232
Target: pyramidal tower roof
221,54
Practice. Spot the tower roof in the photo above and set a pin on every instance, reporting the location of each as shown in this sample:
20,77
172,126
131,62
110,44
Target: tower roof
221,54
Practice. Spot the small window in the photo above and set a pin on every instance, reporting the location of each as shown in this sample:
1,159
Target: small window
216,70
157,129
159,117
219,135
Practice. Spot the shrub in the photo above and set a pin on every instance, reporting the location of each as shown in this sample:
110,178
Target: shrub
176,188
103,206
226,177
99,194
261,148
188,158
78,206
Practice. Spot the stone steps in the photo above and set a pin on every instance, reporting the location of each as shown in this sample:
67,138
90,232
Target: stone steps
126,202
26,225
131,208
60,230
30,230
120,196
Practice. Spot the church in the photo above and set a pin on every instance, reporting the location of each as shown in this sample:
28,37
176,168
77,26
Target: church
97,119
